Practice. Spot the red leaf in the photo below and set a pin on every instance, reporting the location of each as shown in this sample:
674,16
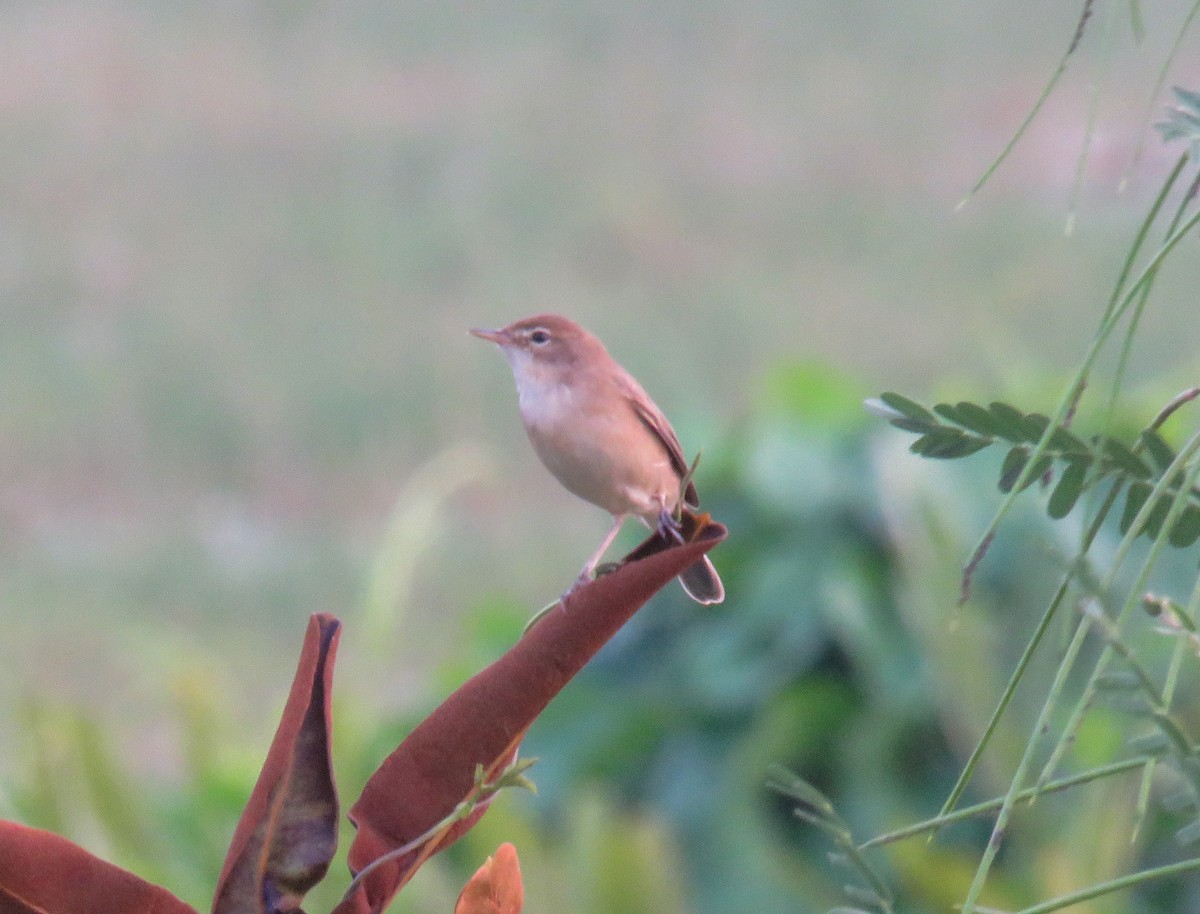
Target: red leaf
496,886
43,873
432,770
288,831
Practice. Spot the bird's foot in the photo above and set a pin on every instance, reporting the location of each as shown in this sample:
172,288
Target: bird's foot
670,526
585,577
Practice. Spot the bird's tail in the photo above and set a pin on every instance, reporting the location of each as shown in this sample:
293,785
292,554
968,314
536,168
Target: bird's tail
702,583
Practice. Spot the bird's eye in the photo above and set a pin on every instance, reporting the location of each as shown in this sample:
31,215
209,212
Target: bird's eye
539,337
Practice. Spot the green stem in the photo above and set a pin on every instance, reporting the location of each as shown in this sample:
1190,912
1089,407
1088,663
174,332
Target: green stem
1031,647
1129,881
1111,314
1106,584
1107,326
1033,112
1187,617
944,819
1010,798
1010,689
1153,102
1089,134
1018,673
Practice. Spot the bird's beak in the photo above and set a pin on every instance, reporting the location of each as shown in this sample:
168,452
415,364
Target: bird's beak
499,337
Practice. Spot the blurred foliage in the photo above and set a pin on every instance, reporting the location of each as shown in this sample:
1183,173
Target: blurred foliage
842,656
839,654
240,249
241,244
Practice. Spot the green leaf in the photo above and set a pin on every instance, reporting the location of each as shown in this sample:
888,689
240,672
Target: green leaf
1135,497
946,411
910,408
1126,460
1153,743
975,418
1158,516
1037,423
1011,423
1183,122
1040,469
1014,463
972,445
933,440
1160,452
1061,439
1068,490
1189,834
918,426
1178,801
947,443
1188,99
1186,529
1066,441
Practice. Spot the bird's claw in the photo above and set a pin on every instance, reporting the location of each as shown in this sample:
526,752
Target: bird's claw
669,526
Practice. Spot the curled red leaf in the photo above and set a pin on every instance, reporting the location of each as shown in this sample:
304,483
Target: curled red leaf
43,873
288,831
482,723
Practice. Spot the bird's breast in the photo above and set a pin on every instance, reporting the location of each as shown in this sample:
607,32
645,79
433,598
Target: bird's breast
600,453
545,403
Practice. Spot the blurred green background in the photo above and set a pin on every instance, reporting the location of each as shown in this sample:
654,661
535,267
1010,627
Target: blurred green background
240,245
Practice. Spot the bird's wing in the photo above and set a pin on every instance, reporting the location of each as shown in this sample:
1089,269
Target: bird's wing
651,416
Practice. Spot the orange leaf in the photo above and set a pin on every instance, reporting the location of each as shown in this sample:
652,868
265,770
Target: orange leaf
482,723
43,873
288,831
496,886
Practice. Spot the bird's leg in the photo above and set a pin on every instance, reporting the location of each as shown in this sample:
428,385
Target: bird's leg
590,567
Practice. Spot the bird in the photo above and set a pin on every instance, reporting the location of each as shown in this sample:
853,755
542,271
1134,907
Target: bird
599,434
